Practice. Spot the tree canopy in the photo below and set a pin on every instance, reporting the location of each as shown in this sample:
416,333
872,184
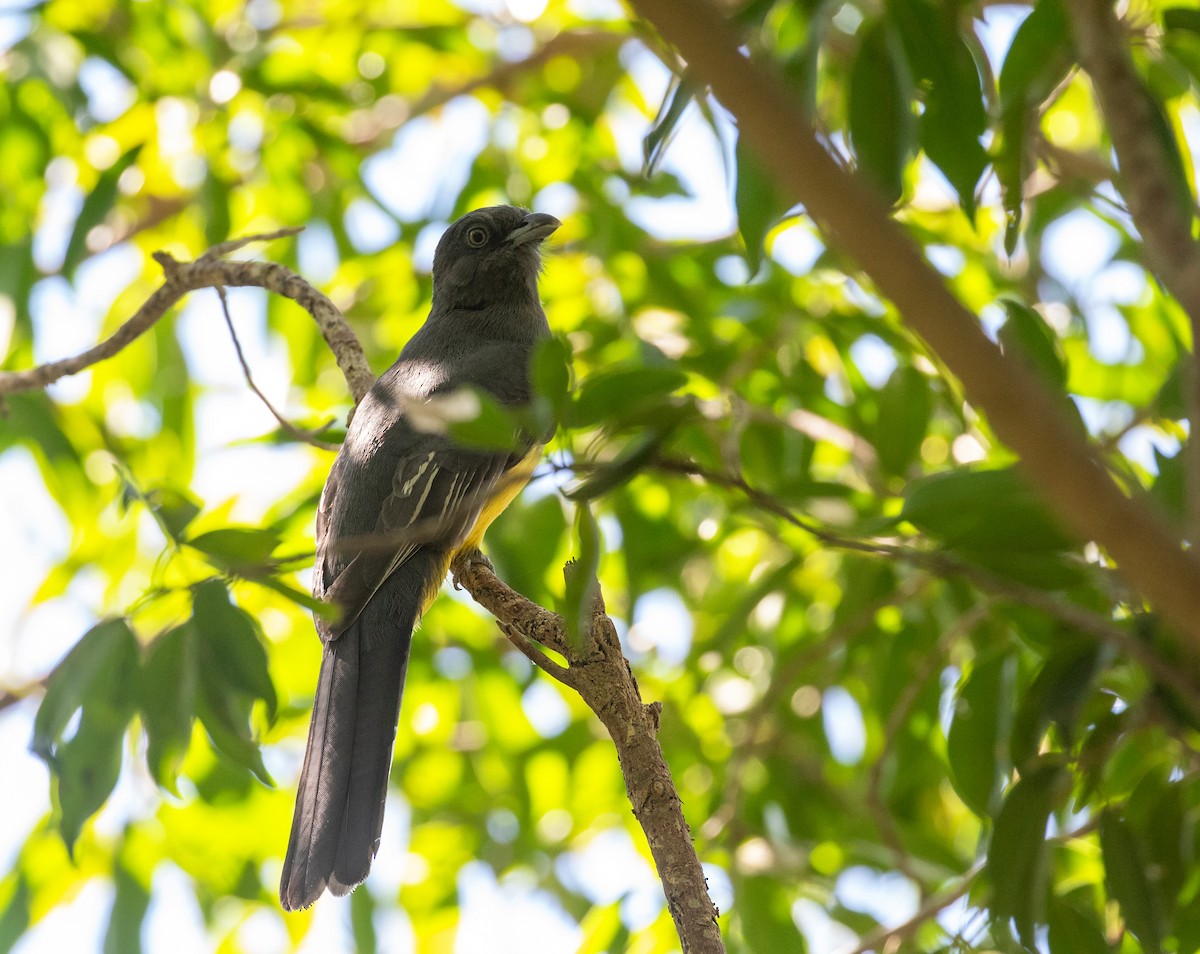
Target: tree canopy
879,323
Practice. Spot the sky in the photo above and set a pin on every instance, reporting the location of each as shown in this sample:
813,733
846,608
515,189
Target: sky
429,153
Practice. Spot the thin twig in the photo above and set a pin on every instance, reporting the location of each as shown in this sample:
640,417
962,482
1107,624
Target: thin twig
888,939
12,697
309,437
942,563
535,655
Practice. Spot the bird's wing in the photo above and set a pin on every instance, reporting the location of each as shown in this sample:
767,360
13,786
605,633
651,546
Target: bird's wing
436,495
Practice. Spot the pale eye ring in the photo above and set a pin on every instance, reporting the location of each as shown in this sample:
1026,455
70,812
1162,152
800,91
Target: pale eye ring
477,237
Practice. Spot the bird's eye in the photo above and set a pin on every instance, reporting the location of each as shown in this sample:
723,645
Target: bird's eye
477,237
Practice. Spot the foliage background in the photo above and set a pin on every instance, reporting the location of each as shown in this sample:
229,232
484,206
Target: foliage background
865,629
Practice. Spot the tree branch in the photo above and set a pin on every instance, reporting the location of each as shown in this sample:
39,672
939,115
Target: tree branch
600,673
1064,468
890,939
1151,185
210,271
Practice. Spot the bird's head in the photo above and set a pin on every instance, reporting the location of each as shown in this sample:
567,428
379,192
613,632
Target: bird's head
490,256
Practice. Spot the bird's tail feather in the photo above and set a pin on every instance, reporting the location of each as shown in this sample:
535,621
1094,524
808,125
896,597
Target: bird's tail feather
343,784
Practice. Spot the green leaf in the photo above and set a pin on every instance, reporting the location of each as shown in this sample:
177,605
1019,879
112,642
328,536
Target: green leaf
1125,879
492,428
174,511
976,743
581,584
944,68
762,916
95,208
905,405
97,679
170,676
1038,60
1018,856
15,918
233,674
1182,18
550,372
881,121
675,103
231,644
1026,336
85,771
299,597
237,548
124,933
362,922
759,202
1057,692
984,510
87,676
1075,931
624,395
633,459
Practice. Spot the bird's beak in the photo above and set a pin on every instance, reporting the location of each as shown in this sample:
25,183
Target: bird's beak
535,227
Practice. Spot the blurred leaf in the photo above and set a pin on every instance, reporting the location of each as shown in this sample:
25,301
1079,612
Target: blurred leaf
551,374
581,582
96,208
905,405
233,674
759,203
362,922
1036,62
762,916
86,678
1125,879
230,641
130,903
882,123
170,675
237,548
1018,857
493,427
976,744
96,680
1075,931
15,917
1056,694
678,98
624,395
633,459
944,69
1027,337
1182,18
983,510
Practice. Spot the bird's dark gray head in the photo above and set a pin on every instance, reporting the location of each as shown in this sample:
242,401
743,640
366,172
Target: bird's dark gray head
490,256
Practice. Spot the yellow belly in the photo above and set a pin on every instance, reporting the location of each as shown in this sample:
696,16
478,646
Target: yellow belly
511,484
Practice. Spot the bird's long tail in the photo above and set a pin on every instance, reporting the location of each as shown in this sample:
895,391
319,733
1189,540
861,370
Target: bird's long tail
343,784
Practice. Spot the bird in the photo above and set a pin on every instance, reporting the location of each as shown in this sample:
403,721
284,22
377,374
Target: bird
402,500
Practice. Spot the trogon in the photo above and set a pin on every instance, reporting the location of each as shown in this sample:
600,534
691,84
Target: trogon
400,503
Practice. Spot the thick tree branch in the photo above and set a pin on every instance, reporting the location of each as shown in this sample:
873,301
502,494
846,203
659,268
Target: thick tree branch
1063,466
211,271
1162,213
600,673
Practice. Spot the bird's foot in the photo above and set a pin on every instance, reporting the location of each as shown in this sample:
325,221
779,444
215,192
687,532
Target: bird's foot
465,561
